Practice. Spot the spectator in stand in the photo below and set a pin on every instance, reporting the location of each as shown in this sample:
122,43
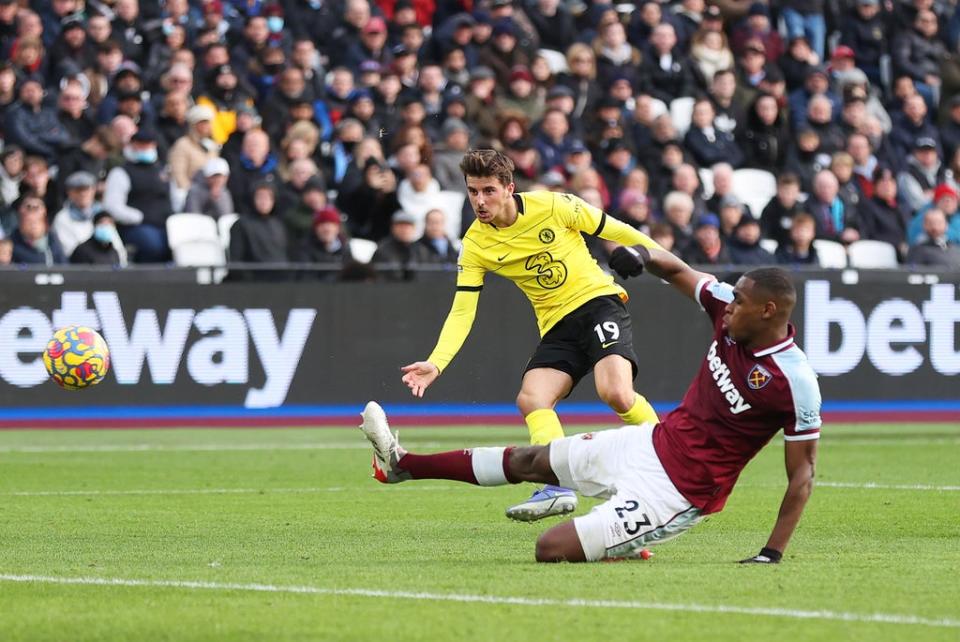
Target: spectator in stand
208,192
710,53
327,247
256,165
864,161
757,26
554,24
764,138
33,243
74,223
866,31
11,173
678,214
503,53
922,173
950,130
399,253
137,196
33,126
836,220
729,101
805,159
705,143
666,71
190,153
841,164
447,155
935,249
806,18
911,124
225,97
581,78
883,217
797,62
918,53
820,119
662,233
103,246
706,247
72,112
798,249
744,245
730,211
37,182
778,215
260,236
439,247
370,206
817,83
945,199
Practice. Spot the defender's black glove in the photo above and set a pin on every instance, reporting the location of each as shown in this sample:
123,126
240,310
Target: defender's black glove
629,261
766,556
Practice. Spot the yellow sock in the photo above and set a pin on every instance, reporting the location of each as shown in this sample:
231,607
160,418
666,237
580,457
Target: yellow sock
544,426
640,413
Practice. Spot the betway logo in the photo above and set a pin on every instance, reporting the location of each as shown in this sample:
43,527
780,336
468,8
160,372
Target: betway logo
889,335
220,356
721,375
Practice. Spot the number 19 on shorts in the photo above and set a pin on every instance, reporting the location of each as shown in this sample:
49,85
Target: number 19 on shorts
608,332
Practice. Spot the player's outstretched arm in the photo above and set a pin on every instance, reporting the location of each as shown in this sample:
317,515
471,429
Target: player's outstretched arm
418,376
674,271
800,459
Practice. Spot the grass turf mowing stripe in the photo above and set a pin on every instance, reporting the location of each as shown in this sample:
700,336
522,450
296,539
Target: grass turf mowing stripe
800,614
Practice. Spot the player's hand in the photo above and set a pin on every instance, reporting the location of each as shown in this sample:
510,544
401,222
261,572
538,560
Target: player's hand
418,376
629,261
765,556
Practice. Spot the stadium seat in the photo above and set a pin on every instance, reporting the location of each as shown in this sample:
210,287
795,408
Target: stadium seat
770,245
658,108
194,240
555,60
832,255
224,223
872,255
706,181
681,111
362,250
755,187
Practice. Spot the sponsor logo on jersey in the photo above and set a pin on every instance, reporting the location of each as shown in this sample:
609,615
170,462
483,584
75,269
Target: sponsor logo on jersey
721,376
758,377
587,436
547,236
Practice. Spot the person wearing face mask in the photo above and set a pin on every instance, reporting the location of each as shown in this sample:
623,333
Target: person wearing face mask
225,97
104,246
137,195
32,241
74,223
191,152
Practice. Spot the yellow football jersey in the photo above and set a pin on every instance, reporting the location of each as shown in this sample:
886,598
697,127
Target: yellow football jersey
544,254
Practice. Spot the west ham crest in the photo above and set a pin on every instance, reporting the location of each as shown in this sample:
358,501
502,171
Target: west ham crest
758,377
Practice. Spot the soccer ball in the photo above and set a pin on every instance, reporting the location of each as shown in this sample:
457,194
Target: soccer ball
77,357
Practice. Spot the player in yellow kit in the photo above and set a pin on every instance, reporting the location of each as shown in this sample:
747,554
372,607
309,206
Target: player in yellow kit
534,239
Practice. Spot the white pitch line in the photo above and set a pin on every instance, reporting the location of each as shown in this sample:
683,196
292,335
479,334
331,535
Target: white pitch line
875,486
137,448
799,614
219,491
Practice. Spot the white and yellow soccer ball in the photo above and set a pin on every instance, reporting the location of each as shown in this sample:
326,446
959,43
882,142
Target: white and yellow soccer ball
77,357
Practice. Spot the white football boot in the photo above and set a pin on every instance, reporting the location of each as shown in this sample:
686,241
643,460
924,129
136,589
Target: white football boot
545,502
386,449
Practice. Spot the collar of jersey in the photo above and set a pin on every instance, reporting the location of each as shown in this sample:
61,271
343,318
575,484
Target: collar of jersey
779,346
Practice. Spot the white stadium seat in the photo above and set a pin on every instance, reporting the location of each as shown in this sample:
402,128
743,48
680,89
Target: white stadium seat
224,223
681,111
706,181
832,255
555,60
755,187
872,254
770,245
362,250
195,240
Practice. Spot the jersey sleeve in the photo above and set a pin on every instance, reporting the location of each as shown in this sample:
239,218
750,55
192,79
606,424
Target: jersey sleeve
459,320
803,421
584,217
713,297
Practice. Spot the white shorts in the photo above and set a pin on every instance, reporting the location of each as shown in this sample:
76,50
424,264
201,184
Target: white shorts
621,465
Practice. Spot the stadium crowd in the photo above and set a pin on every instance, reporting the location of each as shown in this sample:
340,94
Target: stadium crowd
319,122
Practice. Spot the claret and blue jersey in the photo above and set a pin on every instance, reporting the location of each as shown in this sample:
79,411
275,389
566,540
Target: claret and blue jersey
739,399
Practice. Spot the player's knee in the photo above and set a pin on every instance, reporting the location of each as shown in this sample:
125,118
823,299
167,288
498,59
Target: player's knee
528,401
556,545
619,399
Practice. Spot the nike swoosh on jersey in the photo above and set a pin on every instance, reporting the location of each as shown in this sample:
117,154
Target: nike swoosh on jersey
607,345
500,258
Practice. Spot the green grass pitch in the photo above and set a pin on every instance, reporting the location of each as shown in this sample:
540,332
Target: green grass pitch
282,535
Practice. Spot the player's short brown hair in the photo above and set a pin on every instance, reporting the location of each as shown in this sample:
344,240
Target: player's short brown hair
775,283
483,163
